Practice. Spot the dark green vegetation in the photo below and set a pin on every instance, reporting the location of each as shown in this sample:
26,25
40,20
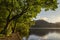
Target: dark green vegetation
16,15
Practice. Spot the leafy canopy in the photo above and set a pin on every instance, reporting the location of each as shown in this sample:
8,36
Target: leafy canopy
16,15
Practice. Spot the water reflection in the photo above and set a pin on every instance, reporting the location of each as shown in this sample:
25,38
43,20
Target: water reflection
52,36
49,36
34,37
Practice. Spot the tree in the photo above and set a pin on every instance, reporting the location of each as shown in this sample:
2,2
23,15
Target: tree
16,15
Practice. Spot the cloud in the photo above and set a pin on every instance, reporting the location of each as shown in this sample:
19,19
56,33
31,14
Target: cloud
51,20
44,18
40,18
56,19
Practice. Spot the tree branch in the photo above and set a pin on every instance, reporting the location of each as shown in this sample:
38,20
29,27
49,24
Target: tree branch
15,17
13,29
7,22
9,15
19,15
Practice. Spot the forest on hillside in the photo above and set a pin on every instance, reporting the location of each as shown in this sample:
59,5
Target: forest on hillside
45,24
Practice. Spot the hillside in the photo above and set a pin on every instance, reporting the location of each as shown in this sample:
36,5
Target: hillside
45,24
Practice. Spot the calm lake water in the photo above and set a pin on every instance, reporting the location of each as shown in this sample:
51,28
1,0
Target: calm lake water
49,36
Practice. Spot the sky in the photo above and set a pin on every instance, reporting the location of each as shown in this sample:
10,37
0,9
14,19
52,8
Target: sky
50,16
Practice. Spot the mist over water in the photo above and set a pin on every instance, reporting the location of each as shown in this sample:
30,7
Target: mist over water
49,36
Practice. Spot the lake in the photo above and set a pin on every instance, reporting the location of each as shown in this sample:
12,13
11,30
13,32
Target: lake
49,36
